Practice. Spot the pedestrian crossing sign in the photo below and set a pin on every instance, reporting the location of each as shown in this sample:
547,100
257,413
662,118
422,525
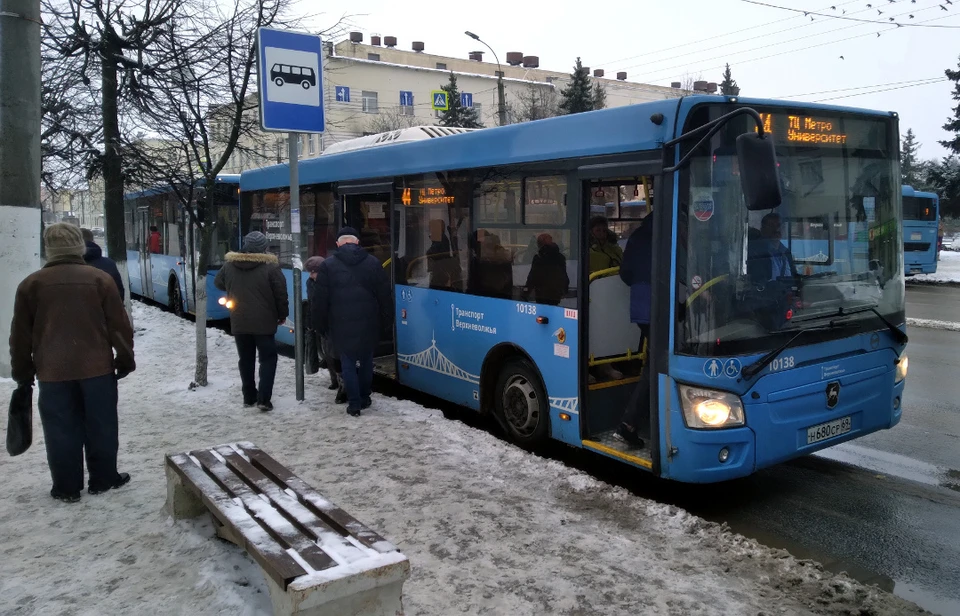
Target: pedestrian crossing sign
440,100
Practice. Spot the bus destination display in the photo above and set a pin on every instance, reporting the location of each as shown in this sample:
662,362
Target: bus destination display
802,129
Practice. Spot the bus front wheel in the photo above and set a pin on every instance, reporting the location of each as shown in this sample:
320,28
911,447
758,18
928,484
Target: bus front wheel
522,403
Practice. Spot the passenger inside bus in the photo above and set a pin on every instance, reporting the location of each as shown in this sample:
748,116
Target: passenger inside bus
443,264
604,251
492,272
636,272
154,240
548,280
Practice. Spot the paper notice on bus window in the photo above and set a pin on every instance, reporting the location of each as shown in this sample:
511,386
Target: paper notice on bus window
561,350
375,211
869,207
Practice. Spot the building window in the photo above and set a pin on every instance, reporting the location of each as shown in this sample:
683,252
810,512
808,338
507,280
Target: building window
373,56
479,108
442,66
299,145
311,144
369,102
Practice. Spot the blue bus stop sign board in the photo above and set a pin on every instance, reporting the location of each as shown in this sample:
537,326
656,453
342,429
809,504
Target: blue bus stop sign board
290,78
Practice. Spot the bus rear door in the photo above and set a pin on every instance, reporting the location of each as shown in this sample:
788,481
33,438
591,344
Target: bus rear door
368,209
143,234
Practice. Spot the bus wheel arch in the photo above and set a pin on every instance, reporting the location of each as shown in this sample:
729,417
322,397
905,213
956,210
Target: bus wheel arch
174,295
513,391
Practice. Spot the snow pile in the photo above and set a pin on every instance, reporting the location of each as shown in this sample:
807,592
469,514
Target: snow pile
488,527
948,270
952,326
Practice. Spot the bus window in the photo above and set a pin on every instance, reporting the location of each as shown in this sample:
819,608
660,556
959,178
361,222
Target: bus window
624,203
435,217
269,213
317,217
919,208
535,261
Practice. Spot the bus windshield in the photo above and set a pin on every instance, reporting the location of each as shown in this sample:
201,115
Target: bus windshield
749,279
919,208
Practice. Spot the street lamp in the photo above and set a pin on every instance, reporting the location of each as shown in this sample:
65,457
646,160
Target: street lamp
502,108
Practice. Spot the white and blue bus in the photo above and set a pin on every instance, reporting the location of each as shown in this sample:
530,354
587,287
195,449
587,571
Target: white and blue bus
163,246
748,370
921,224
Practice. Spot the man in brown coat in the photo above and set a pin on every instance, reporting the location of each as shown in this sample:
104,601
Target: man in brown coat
68,321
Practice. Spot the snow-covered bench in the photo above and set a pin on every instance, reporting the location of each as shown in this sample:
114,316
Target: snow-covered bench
318,560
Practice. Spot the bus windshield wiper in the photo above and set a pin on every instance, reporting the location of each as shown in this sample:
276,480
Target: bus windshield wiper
754,368
899,335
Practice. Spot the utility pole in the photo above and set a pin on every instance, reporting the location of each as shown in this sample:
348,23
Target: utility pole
19,154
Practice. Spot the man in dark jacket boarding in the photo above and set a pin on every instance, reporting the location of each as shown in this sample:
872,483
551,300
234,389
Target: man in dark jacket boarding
351,303
257,292
68,321
94,256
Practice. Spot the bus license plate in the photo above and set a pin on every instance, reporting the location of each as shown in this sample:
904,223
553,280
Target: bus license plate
823,431
916,236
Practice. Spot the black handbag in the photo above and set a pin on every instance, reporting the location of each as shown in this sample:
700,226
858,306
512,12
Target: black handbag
20,420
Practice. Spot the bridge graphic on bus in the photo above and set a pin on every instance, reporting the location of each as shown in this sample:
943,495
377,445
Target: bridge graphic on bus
432,359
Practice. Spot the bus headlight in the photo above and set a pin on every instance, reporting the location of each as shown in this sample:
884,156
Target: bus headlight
902,366
709,408
222,301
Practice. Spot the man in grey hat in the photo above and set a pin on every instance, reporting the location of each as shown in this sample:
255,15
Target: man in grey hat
68,321
257,290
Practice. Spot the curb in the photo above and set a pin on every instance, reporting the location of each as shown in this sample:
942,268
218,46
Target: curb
951,326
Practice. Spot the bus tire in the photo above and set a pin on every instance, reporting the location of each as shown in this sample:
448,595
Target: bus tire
175,298
521,402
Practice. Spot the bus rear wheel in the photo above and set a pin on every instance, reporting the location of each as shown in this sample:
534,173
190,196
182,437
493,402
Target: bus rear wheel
176,300
522,403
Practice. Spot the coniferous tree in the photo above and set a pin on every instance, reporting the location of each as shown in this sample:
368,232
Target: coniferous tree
953,124
599,96
909,165
729,87
577,97
456,114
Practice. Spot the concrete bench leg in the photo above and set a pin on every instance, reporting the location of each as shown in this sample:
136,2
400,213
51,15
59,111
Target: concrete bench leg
182,503
372,593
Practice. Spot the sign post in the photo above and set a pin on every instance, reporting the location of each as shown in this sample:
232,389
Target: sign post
290,80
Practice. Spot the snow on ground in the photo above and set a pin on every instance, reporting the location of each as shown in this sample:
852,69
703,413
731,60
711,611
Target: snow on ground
489,528
948,270
953,326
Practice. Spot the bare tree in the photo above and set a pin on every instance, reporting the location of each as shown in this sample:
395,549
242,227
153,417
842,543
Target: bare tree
688,81
108,39
391,119
204,109
534,103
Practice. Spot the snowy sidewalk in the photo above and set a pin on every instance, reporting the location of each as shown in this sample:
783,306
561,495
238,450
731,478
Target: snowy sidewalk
488,528
948,271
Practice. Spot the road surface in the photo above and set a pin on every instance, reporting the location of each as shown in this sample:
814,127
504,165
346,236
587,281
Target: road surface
935,302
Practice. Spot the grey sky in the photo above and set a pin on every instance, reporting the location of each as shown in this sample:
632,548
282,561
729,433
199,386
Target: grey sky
792,57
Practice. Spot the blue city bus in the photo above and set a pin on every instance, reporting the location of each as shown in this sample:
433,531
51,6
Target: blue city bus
497,309
921,223
163,246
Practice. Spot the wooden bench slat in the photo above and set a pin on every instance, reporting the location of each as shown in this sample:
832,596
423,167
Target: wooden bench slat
300,516
278,526
337,518
257,542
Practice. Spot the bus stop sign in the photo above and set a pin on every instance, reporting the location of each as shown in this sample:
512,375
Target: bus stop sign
290,79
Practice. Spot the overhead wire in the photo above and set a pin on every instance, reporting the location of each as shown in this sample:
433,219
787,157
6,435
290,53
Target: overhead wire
876,85
866,21
789,51
834,98
700,42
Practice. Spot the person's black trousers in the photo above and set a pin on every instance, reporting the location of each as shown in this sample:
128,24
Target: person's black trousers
248,347
81,417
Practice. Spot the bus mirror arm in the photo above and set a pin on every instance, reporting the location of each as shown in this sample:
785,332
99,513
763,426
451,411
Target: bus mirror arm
756,155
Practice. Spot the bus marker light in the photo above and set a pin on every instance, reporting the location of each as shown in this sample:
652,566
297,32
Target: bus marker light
543,320
724,455
229,304
789,314
564,417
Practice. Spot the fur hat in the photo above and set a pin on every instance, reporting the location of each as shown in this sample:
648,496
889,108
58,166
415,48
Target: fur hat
63,240
255,242
313,264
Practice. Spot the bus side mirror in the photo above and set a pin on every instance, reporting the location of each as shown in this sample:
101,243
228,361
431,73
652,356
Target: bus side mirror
759,177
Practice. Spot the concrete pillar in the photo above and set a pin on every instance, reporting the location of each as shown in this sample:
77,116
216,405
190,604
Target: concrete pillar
19,155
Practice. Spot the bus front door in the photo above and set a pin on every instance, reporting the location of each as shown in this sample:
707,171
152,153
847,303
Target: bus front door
370,214
146,269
